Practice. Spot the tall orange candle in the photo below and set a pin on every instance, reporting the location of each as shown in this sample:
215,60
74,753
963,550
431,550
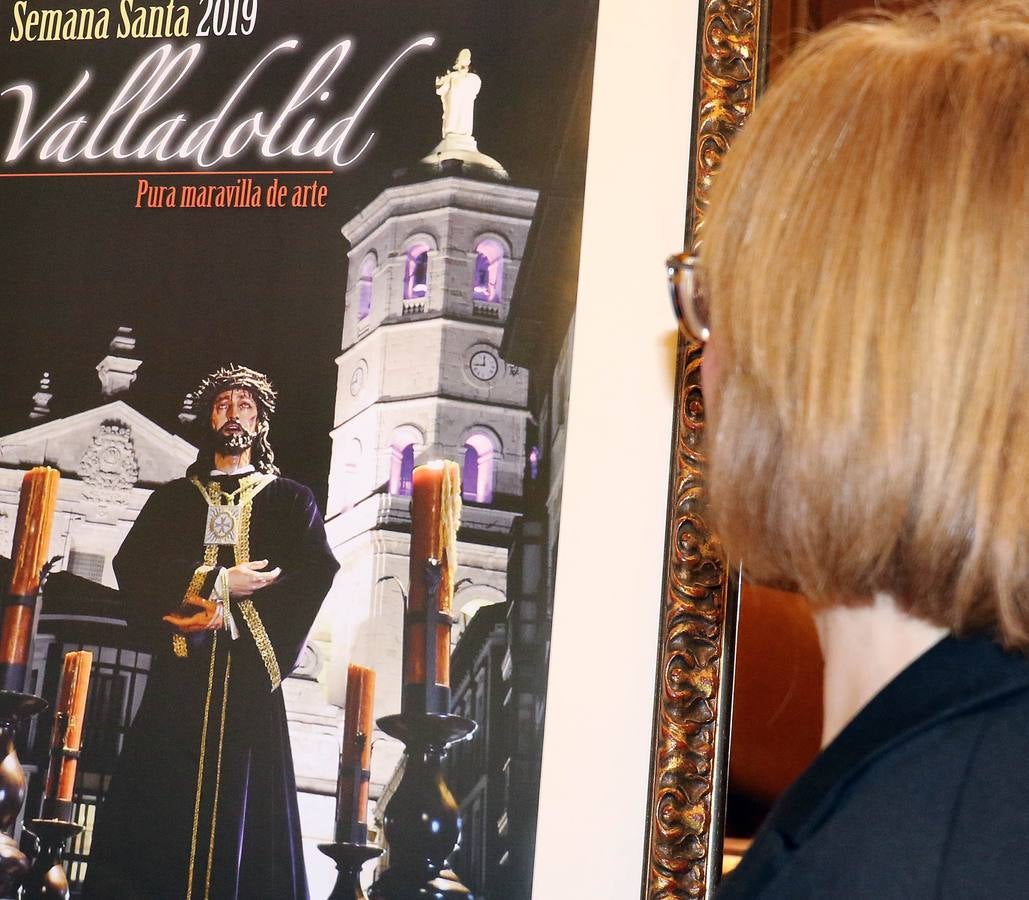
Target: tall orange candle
31,541
66,740
355,757
435,518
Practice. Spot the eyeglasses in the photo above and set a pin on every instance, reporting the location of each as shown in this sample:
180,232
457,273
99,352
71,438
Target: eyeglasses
688,299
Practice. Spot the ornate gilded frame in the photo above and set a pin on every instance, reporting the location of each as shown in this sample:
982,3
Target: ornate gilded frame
698,618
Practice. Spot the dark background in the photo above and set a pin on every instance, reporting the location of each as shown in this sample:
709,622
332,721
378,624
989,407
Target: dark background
203,287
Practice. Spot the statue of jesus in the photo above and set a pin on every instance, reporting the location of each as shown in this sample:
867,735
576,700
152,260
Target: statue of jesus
457,90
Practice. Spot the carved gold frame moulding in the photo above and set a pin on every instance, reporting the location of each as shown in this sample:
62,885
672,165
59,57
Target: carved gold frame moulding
698,617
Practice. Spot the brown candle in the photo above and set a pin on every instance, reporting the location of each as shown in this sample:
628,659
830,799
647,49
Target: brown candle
32,530
435,517
66,740
355,757
31,542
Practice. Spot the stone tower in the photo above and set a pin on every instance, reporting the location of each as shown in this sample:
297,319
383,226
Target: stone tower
432,265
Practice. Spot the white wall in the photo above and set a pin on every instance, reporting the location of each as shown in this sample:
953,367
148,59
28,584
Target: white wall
592,826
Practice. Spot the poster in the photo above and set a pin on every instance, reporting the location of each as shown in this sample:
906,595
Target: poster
190,184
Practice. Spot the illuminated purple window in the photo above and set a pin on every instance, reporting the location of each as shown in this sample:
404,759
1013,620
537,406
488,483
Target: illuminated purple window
477,470
402,453
470,473
489,266
534,463
416,272
406,471
364,286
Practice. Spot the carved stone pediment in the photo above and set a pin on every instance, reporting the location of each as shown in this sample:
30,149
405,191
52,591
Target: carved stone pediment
87,445
109,467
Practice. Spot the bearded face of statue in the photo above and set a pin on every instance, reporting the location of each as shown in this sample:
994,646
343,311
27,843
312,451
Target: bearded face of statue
234,420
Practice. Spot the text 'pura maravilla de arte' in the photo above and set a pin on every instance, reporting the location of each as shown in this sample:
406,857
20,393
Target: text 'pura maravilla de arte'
243,193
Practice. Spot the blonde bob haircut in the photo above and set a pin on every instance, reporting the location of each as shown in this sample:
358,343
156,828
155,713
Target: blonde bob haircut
865,262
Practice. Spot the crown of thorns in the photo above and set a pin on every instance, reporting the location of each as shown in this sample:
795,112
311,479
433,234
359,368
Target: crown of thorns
231,377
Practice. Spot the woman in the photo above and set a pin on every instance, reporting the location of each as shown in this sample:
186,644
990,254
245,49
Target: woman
867,380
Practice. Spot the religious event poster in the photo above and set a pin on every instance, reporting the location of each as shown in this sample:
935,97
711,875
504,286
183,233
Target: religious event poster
378,206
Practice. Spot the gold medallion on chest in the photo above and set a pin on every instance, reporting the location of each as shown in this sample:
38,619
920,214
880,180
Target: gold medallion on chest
222,525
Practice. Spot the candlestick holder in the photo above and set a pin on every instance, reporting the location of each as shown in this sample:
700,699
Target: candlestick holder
15,668
422,824
20,613
349,859
352,795
428,696
47,879
15,707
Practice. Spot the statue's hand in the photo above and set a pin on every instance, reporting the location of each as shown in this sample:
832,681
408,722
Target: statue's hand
249,577
207,618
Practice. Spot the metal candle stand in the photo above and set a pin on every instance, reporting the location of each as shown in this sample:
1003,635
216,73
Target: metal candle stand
349,859
15,707
350,856
428,697
44,878
47,879
422,824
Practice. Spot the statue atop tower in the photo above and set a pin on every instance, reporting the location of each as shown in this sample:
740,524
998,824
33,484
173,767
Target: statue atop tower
457,89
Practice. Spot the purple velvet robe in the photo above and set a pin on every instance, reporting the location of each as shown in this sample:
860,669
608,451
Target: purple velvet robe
203,803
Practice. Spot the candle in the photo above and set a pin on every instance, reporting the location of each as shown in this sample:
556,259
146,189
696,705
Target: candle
66,740
31,543
355,757
435,517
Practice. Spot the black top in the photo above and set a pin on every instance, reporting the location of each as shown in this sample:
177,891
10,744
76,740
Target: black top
925,794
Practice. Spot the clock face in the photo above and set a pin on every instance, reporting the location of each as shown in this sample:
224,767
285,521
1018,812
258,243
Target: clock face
357,381
484,365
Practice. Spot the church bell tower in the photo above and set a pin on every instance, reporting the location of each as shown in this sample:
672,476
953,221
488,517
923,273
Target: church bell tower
432,264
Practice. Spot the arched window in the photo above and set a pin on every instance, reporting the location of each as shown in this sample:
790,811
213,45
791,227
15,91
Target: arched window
477,469
489,267
364,286
403,446
406,470
416,271
470,472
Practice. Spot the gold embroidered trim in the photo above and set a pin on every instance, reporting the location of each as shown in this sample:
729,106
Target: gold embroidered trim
179,646
246,607
250,486
199,575
264,644
217,777
243,547
200,770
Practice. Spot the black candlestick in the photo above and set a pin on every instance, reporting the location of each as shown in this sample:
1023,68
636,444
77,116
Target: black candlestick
14,677
14,708
428,696
421,824
47,879
349,859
